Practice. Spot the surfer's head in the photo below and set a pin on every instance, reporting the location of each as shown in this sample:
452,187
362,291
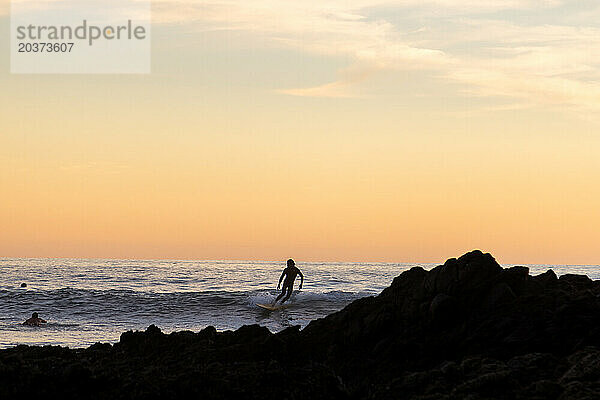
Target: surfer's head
290,263
34,315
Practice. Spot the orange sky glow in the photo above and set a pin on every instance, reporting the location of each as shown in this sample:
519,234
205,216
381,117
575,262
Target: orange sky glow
363,139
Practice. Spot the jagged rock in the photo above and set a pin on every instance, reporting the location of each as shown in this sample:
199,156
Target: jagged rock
443,307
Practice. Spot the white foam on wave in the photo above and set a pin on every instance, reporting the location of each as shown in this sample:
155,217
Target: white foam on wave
261,297
303,297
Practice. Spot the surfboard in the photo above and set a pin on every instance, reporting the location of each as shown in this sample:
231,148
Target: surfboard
271,307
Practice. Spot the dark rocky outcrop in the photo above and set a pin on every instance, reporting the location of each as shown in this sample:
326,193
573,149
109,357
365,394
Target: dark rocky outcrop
467,329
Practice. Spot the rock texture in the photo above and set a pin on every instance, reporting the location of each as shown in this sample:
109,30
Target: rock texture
467,329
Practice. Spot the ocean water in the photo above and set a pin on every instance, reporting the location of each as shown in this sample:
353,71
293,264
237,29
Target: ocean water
89,301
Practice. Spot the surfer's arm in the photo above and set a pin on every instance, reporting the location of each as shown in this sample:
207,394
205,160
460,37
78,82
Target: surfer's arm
280,279
301,279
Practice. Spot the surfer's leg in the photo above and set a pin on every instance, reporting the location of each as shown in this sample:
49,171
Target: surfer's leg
280,296
289,293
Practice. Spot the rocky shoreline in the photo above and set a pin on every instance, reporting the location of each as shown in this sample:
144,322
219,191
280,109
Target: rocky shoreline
467,329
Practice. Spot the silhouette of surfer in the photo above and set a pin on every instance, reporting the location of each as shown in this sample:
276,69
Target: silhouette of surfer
290,273
35,320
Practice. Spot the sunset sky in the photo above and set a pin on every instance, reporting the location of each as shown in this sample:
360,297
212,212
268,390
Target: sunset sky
401,131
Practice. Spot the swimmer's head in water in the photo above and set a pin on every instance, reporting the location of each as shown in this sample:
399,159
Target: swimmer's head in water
34,315
290,263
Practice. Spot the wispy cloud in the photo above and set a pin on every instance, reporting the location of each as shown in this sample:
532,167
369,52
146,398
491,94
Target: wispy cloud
542,64
472,42
333,28
344,87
